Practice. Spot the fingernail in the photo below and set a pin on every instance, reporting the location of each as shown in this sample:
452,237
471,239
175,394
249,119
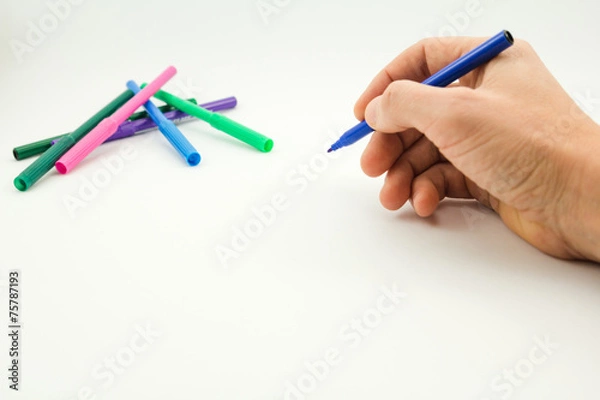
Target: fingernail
371,112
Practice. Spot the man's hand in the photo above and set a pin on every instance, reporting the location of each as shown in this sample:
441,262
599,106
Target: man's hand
506,135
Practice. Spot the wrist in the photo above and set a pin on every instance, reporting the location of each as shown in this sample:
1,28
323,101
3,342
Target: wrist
581,216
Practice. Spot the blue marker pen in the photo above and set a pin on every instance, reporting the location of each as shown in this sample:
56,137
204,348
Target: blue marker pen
459,68
169,130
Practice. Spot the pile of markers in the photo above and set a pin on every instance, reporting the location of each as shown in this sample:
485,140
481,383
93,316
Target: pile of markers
117,120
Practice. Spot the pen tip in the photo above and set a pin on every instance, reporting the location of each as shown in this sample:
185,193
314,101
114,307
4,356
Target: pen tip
330,150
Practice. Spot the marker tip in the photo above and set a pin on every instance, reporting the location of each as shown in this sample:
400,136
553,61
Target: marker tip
330,150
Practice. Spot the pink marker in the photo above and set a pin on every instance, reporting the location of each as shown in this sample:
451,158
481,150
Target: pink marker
109,125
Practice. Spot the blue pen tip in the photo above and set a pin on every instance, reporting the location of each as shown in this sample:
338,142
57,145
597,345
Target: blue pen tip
330,150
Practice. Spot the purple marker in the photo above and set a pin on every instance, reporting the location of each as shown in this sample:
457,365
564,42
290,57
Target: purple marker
144,125
139,126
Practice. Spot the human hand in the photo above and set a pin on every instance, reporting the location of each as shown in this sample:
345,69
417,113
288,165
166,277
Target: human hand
506,135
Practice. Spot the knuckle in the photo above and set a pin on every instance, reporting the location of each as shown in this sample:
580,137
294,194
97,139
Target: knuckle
401,95
433,43
425,42
431,46
390,96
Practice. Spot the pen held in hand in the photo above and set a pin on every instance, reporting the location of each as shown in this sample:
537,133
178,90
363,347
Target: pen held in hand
459,68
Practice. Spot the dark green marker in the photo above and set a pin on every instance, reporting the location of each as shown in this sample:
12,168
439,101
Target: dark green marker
47,160
33,149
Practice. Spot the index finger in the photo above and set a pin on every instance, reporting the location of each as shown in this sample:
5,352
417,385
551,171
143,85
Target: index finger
417,63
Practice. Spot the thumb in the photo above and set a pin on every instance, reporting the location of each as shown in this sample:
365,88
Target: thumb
439,113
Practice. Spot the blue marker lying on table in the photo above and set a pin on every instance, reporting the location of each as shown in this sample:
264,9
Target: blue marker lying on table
169,130
459,68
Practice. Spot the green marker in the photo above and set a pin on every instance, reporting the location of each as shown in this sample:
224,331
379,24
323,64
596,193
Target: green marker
46,161
33,149
218,121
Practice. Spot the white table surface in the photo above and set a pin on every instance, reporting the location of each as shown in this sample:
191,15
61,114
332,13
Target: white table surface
141,254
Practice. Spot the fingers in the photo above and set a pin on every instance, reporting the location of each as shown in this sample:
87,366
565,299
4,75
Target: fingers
441,181
417,159
417,63
444,115
438,182
383,150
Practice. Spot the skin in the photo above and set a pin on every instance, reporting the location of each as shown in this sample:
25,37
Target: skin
506,134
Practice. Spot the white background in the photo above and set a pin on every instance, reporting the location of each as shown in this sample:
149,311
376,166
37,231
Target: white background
143,251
